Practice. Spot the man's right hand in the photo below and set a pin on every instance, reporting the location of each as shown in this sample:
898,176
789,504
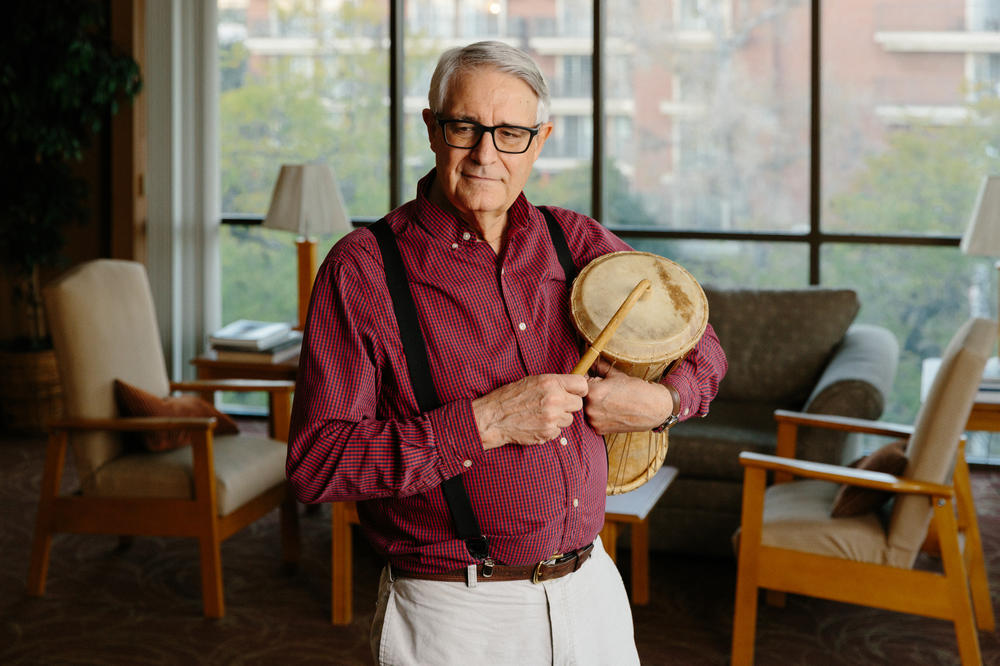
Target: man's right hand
529,411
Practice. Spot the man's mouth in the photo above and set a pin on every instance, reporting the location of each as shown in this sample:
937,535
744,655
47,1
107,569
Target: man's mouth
472,176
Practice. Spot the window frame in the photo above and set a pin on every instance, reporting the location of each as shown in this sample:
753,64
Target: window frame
815,238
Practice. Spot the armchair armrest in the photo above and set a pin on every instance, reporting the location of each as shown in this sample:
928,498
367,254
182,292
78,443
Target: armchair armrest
789,422
238,385
844,423
136,423
849,475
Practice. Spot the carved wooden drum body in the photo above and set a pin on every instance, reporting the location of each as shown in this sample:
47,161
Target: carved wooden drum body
662,326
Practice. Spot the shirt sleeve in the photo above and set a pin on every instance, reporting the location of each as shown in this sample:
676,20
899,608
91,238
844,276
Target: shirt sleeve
347,440
697,376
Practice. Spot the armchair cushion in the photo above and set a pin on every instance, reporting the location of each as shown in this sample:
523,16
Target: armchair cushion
856,500
797,517
133,401
245,466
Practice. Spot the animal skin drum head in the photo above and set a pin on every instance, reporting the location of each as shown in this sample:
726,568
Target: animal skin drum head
666,322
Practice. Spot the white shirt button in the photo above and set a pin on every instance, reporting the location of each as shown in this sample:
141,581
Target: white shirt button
454,246
467,463
563,441
466,235
522,326
576,502
686,411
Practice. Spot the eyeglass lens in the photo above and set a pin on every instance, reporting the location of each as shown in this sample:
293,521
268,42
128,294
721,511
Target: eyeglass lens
506,138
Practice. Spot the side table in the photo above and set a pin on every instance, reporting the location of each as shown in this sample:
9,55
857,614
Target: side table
632,509
207,366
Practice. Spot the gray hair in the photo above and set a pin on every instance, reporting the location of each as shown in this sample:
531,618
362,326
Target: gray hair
497,55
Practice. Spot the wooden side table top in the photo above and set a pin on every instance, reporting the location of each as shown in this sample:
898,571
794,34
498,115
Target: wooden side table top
208,366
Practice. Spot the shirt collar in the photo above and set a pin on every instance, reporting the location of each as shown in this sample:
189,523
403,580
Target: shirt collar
442,224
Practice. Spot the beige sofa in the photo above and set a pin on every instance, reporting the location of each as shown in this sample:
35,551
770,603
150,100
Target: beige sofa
787,348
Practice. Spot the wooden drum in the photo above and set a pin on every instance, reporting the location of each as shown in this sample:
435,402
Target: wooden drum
661,327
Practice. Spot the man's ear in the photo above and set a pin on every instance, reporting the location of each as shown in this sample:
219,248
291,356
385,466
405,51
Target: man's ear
544,132
431,123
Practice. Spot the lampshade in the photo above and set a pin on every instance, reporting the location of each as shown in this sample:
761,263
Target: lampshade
982,237
307,200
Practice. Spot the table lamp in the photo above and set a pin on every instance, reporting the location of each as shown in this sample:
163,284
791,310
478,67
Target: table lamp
307,200
982,237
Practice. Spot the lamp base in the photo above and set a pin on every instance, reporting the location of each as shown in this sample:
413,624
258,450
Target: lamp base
306,250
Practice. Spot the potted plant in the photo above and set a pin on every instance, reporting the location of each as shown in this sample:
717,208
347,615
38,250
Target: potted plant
61,79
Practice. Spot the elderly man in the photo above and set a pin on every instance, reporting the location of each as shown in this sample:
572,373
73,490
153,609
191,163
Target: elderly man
434,390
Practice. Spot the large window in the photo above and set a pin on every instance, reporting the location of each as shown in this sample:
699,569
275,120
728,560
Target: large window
727,137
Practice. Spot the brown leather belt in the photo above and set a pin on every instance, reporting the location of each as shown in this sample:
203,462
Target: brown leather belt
550,569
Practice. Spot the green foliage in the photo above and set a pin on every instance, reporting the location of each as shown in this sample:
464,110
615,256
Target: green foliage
60,81
925,181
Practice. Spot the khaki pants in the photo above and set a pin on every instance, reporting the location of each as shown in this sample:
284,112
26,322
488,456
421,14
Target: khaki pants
582,619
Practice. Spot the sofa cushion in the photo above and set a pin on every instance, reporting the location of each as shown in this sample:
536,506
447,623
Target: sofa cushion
778,341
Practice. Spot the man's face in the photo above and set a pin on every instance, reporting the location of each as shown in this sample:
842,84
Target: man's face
482,182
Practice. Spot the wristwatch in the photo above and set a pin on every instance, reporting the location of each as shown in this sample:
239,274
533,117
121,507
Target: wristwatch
675,414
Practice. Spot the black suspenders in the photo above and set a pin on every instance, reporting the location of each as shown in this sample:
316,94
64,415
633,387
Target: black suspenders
415,350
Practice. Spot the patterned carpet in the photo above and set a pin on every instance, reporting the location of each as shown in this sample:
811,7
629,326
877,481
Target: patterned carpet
142,605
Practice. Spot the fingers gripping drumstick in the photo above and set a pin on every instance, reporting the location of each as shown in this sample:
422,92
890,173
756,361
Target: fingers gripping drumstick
597,347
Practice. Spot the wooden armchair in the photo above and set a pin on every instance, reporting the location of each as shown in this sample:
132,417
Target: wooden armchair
104,328
788,541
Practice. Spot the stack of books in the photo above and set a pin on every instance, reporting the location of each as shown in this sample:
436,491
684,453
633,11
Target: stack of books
250,341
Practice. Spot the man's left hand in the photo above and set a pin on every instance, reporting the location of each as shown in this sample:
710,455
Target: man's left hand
617,402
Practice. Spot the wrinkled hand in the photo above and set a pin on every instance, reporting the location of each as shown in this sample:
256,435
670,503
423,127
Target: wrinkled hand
529,411
617,402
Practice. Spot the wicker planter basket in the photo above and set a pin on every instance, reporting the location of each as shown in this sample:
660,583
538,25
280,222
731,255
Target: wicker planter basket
30,393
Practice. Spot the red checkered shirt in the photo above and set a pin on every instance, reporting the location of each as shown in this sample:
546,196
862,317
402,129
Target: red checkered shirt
356,433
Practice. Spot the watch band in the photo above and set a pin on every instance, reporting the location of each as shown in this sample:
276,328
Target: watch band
675,415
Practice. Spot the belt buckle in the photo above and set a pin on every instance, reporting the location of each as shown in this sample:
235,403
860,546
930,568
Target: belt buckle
555,560
538,569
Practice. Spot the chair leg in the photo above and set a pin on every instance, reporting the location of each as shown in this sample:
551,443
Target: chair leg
745,607
211,576
341,573
55,457
640,562
208,536
975,566
957,584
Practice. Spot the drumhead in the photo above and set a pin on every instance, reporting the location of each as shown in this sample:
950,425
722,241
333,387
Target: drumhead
664,324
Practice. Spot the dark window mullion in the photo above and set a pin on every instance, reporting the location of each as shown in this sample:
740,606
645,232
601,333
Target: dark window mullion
815,144
397,92
597,92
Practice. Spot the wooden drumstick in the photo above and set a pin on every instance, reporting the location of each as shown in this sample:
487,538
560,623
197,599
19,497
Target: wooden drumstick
597,347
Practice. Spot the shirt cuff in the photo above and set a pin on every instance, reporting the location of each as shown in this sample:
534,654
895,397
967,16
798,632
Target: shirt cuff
457,436
690,399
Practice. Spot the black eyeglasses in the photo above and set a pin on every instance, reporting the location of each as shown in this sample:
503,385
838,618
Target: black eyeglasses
506,138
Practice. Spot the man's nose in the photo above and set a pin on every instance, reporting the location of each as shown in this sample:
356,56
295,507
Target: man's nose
485,151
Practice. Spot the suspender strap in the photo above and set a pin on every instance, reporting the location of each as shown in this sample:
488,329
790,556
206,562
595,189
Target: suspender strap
559,244
415,350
